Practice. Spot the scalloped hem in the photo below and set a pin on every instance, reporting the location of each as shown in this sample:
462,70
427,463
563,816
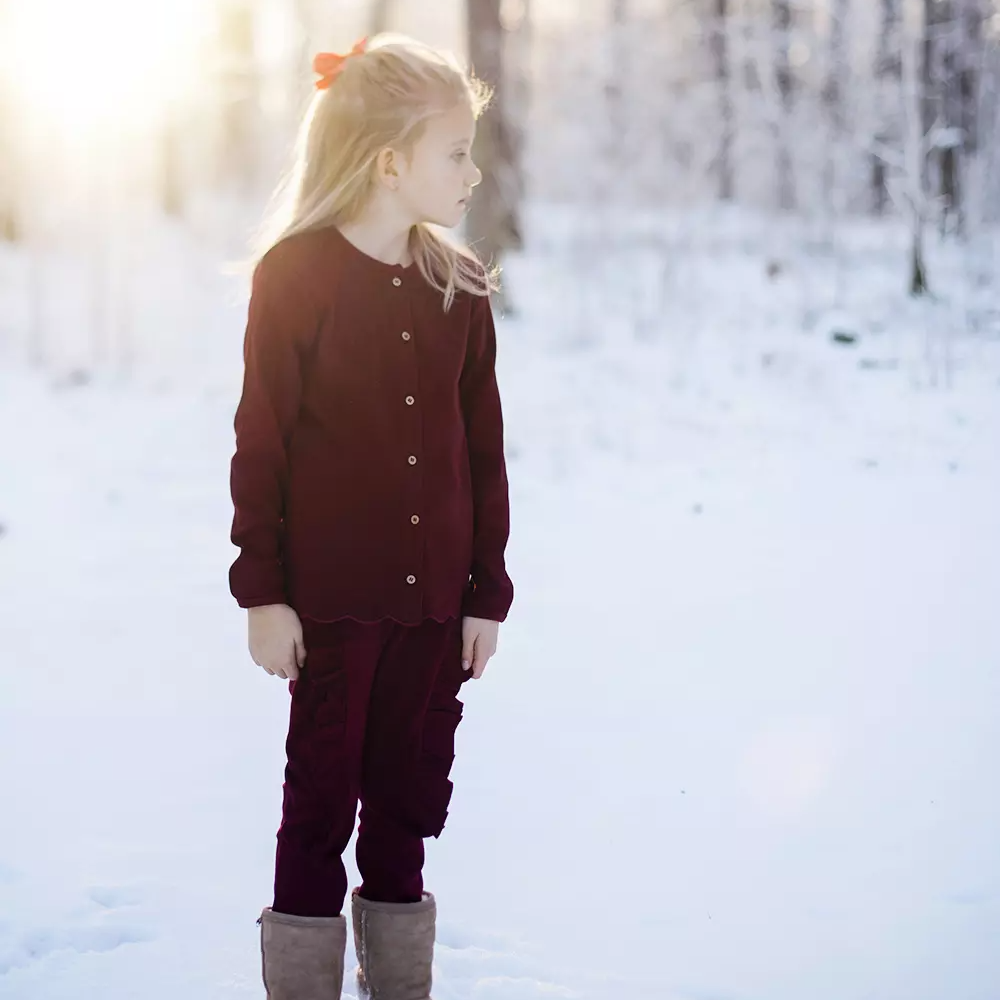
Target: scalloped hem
376,621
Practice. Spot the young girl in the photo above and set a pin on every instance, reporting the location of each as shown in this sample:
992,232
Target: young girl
371,506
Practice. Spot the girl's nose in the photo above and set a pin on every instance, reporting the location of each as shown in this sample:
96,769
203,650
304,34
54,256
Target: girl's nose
476,177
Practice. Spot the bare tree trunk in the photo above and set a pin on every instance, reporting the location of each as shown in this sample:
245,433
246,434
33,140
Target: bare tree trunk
965,57
918,266
982,87
949,141
837,67
751,70
974,15
492,223
720,59
914,76
614,90
888,56
953,31
837,73
936,14
782,27
888,72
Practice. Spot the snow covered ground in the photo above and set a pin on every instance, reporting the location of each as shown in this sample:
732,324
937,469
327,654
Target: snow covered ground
739,738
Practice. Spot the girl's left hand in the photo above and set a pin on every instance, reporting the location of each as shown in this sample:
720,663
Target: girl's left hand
479,643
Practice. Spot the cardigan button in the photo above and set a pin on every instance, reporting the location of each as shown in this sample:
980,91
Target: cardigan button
397,282
406,335
412,460
411,579
415,519
409,401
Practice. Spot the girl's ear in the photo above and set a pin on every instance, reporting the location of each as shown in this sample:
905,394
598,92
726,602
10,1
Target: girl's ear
386,168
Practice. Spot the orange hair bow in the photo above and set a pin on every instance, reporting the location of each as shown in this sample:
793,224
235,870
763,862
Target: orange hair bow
329,64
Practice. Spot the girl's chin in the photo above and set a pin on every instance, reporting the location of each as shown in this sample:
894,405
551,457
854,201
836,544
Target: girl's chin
452,219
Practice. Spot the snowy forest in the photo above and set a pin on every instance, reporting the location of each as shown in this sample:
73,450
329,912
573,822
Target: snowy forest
827,119
736,742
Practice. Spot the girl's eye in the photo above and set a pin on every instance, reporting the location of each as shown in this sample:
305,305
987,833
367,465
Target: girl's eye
460,155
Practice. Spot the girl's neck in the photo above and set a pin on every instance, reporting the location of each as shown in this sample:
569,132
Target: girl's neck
381,236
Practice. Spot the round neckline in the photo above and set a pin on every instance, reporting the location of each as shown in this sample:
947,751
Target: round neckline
367,258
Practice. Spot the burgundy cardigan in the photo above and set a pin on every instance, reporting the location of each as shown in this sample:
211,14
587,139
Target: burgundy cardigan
369,479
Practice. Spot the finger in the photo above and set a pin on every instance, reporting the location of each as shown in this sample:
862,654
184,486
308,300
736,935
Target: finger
268,669
468,652
290,664
300,653
479,661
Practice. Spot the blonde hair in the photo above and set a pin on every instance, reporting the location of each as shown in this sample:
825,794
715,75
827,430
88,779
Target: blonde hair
381,97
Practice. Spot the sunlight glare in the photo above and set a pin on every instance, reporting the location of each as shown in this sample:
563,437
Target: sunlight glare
106,61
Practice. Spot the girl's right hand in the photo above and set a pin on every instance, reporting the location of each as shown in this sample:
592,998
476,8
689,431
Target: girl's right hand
275,634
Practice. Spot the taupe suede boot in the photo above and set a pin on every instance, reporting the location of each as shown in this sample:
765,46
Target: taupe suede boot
302,958
395,946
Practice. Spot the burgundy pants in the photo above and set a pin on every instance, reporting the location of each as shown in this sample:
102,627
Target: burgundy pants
373,719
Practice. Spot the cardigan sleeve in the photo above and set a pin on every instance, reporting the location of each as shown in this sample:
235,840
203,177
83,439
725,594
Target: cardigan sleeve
490,592
281,322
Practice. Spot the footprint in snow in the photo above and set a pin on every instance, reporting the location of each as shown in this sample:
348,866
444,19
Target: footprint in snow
113,897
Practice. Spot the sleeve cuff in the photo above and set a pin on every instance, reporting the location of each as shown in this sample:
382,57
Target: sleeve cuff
478,603
261,602
255,583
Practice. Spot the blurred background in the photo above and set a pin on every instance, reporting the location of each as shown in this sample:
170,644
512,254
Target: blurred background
739,736
140,141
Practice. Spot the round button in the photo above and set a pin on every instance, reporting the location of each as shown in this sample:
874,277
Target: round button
411,579
397,281
412,460
406,335
409,401
415,519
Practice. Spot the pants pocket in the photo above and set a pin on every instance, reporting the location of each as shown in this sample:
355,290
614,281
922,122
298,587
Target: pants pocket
432,786
318,715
